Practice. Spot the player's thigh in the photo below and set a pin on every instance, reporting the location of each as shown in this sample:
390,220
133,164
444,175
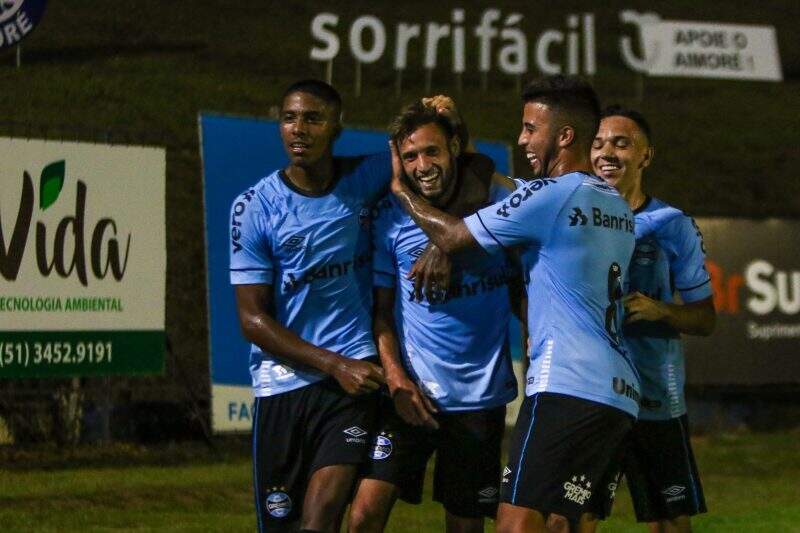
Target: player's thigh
280,467
560,451
468,456
399,453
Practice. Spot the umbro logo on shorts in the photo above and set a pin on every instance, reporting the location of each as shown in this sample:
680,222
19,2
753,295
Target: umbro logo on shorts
487,495
674,493
355,435
506,473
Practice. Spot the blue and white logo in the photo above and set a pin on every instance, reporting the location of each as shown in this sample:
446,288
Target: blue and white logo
18,18
279,504
383,447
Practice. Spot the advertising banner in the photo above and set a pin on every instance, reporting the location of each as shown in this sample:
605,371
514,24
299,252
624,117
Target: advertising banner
82,259
237,152
755,271
18,18
703,50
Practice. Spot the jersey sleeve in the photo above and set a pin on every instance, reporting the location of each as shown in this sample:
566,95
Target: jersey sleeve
251,259
682,240
524,216
384,267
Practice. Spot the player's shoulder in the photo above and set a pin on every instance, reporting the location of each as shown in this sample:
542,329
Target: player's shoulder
259,195
389,212
663,220
354,165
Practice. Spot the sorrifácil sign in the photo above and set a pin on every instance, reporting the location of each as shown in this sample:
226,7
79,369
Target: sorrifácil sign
18,18
82,259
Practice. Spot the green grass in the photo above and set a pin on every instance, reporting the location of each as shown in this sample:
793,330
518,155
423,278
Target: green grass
752,484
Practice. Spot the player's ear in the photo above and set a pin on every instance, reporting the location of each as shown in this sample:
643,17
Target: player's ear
566,136
648,157
455,146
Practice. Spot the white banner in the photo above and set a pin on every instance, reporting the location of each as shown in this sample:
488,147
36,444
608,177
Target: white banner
704,50
82,258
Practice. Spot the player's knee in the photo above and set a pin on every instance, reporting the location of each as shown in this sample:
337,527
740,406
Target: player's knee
365,518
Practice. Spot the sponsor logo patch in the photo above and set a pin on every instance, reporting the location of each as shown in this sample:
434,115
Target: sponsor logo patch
279,504
578,490
577,217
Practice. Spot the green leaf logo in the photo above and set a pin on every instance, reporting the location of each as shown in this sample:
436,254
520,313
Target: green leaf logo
50,184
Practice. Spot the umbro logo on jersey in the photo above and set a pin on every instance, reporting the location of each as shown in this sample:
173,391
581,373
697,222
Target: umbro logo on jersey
417,252
487,495
577,217
522,194
294,242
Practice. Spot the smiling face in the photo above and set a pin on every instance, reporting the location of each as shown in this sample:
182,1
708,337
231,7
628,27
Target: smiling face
428,162
308,127
537,138
620,153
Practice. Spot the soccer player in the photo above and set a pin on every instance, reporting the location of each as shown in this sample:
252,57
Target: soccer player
301,267
669,257
576,238
447,367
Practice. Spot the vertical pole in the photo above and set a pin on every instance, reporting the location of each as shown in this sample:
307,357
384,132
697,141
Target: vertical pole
358,79
329,72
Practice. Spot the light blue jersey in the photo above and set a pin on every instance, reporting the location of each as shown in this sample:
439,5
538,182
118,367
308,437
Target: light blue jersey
576,236
669,257
455,349
315,251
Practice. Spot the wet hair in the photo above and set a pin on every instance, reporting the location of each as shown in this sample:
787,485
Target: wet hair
320,89
617,110
572,98
414,116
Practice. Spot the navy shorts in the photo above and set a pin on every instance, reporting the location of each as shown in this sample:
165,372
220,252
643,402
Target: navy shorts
298,432
661,472
467,444
565,456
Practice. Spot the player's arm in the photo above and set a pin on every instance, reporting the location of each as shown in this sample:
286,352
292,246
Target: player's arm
694,318
412,406
681,239
261,329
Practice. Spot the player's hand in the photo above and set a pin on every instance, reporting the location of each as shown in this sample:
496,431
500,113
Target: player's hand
358,377
446,106
640,307
431,275
412,406
396,185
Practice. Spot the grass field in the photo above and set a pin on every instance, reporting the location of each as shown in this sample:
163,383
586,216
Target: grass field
752,484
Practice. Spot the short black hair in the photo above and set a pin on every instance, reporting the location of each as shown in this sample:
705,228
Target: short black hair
617,110
318,88
416,115
573,97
